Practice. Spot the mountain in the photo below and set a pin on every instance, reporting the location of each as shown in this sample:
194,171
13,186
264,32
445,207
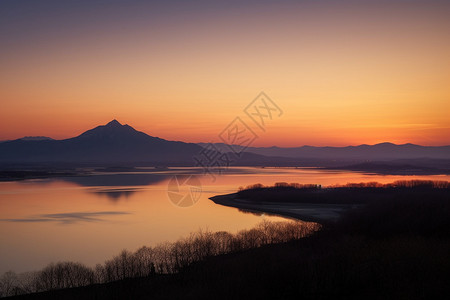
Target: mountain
110,143
31,138
117,144
383,151
35,138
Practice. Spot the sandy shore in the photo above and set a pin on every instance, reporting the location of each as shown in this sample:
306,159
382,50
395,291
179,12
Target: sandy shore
310,212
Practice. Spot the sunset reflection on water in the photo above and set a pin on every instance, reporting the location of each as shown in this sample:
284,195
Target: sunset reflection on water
90,219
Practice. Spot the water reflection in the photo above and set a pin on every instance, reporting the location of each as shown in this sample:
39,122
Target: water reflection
117,179
116,194
117,187
70,218
108,212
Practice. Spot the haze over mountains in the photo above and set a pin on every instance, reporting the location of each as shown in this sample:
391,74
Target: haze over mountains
382,151
117,143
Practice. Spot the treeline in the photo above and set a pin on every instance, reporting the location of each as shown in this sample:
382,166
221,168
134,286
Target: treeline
396,184
350,193
435,184
165,258
278,185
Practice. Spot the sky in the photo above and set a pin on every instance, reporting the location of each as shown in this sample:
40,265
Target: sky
342,72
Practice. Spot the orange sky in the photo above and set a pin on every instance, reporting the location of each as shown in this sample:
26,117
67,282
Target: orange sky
347,73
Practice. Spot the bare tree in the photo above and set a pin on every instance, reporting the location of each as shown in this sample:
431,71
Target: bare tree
165,258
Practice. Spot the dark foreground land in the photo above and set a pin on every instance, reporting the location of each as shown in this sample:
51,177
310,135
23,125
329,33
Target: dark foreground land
394,248
317,204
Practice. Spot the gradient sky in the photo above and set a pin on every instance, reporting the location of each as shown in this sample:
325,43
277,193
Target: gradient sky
343,72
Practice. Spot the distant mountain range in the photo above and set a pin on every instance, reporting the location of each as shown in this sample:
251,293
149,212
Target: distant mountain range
31,138
383,151
119,144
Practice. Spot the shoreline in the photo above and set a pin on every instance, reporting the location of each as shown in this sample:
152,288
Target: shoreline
309,212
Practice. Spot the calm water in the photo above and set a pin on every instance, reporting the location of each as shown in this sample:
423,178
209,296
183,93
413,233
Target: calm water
90,219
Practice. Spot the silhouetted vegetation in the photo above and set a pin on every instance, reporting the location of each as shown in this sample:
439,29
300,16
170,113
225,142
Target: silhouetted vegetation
394,248
372,184
165,258
350,193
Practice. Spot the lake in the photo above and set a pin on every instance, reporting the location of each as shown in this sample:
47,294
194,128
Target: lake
92,218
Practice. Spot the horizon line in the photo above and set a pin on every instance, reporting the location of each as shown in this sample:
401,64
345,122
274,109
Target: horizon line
115,121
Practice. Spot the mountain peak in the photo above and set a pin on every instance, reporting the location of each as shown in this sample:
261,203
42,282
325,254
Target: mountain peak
110,131
113,123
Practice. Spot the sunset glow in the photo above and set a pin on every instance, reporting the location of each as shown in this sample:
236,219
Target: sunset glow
233,149
344,73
